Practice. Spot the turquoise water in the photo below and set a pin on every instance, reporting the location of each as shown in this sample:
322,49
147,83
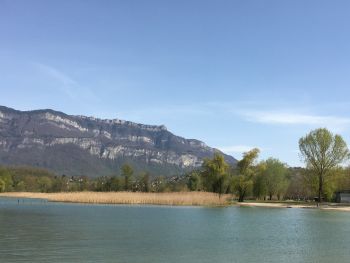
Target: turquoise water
38,231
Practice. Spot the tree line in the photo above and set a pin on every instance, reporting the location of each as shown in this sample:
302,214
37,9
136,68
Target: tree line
323,153
266,179
30,179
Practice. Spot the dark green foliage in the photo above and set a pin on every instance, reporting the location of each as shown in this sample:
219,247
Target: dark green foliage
116,184
127,172
195,181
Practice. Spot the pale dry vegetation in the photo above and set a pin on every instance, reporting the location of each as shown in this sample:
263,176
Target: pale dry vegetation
173,198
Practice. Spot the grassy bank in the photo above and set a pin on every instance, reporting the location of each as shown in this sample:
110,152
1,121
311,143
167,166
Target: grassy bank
174,198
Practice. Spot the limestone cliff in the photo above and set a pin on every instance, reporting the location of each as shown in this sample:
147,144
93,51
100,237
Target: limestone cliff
80,145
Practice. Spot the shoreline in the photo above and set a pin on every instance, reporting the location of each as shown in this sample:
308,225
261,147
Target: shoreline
171,199
325,206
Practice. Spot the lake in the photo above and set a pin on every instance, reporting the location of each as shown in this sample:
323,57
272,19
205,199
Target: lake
38,231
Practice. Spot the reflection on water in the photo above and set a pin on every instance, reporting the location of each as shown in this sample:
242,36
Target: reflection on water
38,231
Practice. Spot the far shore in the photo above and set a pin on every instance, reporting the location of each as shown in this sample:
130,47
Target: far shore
169,198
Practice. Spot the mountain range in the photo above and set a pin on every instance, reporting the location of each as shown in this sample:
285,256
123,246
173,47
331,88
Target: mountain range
81,145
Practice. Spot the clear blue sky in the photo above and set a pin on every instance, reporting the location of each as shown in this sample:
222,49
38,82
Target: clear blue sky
235,74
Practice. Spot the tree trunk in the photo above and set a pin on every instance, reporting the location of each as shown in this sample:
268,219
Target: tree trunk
320,188
241,196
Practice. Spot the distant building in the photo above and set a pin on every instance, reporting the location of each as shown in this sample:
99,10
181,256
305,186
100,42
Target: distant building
343,197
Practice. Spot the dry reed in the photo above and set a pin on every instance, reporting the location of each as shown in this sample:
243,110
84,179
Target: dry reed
173,198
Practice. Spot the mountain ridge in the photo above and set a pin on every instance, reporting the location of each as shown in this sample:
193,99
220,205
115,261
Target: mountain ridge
82,145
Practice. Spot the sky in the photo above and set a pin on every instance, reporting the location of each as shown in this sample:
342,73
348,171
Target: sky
235,74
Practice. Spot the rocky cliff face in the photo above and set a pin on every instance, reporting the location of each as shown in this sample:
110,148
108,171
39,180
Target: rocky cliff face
77,145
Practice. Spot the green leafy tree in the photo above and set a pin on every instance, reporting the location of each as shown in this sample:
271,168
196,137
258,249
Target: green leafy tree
215,174
246,171
20,186
102,184
57,184
194,181
6,177
259,184
44,183
342,178
297,188
2,186
275,176
322,151
127,172
116,183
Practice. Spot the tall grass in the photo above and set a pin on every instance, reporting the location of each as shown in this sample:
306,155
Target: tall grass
173,198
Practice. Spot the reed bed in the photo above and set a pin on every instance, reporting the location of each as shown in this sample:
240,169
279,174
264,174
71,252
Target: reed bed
173,198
